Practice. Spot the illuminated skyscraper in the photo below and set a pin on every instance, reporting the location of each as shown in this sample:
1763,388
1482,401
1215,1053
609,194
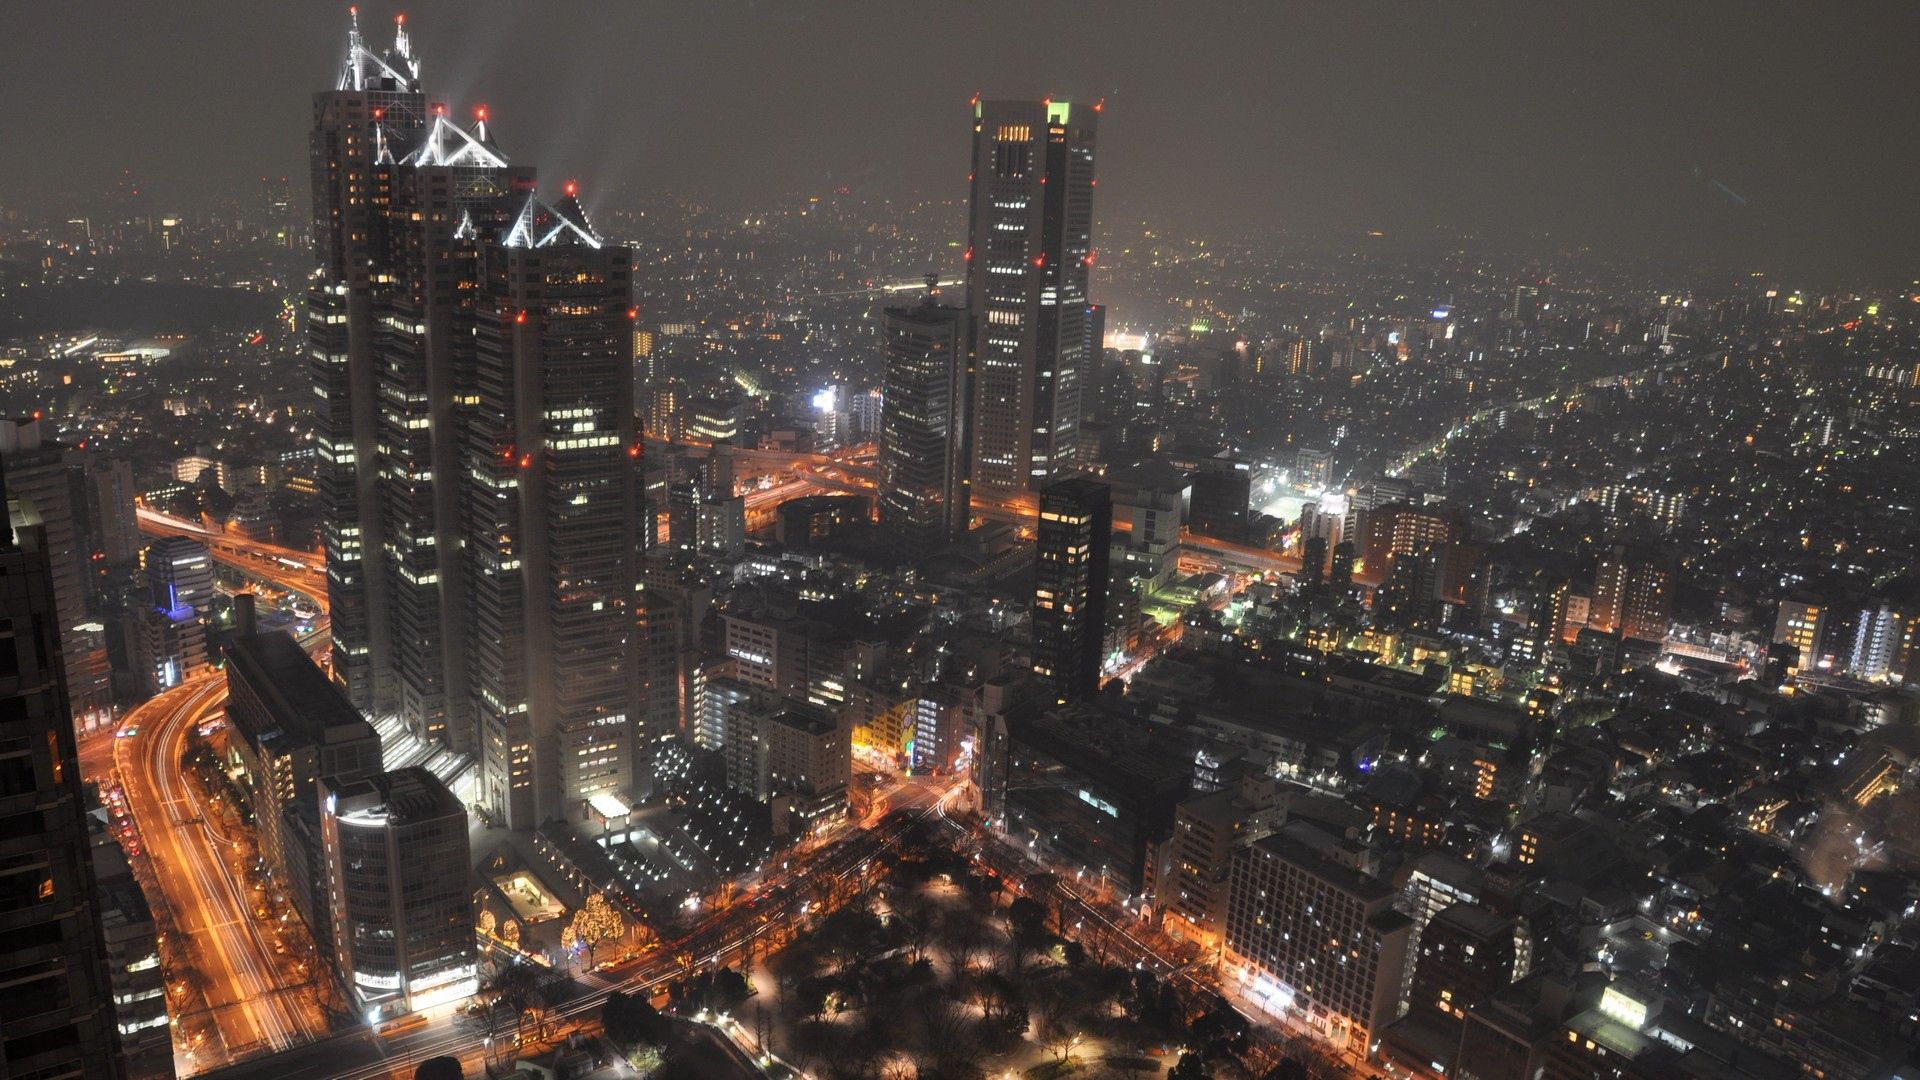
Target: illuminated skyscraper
472,347
374,107
552,469
1070,587
445,195
396,863
923,488
1029,251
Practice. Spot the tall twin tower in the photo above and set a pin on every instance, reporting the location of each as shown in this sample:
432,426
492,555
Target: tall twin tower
480,467
985,400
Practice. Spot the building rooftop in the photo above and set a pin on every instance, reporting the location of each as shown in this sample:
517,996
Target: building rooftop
402,797
1475,920
1352,882
275,665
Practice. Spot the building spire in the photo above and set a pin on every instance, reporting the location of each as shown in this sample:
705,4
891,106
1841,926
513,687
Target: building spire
396,69
352,77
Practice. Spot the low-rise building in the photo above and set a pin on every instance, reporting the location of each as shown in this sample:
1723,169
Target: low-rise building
289,725
398,890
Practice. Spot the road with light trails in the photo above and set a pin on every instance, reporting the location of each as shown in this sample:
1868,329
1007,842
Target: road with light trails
285,568
257,1004
246,984
783,897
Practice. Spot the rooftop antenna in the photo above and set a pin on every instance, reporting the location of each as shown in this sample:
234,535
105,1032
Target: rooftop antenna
353,76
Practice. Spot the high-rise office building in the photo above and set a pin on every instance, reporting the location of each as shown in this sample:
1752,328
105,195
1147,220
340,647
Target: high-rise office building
172,644
179,573
553,527
1070,587
54,478
1222,504
375,110
444,196
56,1019
1029,252
479,465
923,448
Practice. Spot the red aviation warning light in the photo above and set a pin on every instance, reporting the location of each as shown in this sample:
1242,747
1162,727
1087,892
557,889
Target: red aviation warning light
1089,259
633,313
480,112
1040,260
526,461
520,317
572,188
969,258
400,18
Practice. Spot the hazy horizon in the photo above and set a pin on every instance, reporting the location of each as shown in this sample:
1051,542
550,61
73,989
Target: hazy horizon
1737,134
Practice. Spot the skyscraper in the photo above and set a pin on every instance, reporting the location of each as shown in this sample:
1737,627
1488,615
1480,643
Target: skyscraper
1029,251
553,517
55,1013
1070,587
375,106
472,347
54,478
923,449
444,195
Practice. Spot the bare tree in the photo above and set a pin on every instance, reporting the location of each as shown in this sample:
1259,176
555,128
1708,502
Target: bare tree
918,929
963,934
949,1040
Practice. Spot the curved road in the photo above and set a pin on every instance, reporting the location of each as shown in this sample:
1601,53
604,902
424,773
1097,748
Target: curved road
251,994
243,987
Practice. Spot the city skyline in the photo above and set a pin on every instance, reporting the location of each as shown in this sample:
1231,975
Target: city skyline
1642,131
472,623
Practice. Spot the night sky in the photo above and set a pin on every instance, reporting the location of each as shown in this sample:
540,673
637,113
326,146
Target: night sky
1753,134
